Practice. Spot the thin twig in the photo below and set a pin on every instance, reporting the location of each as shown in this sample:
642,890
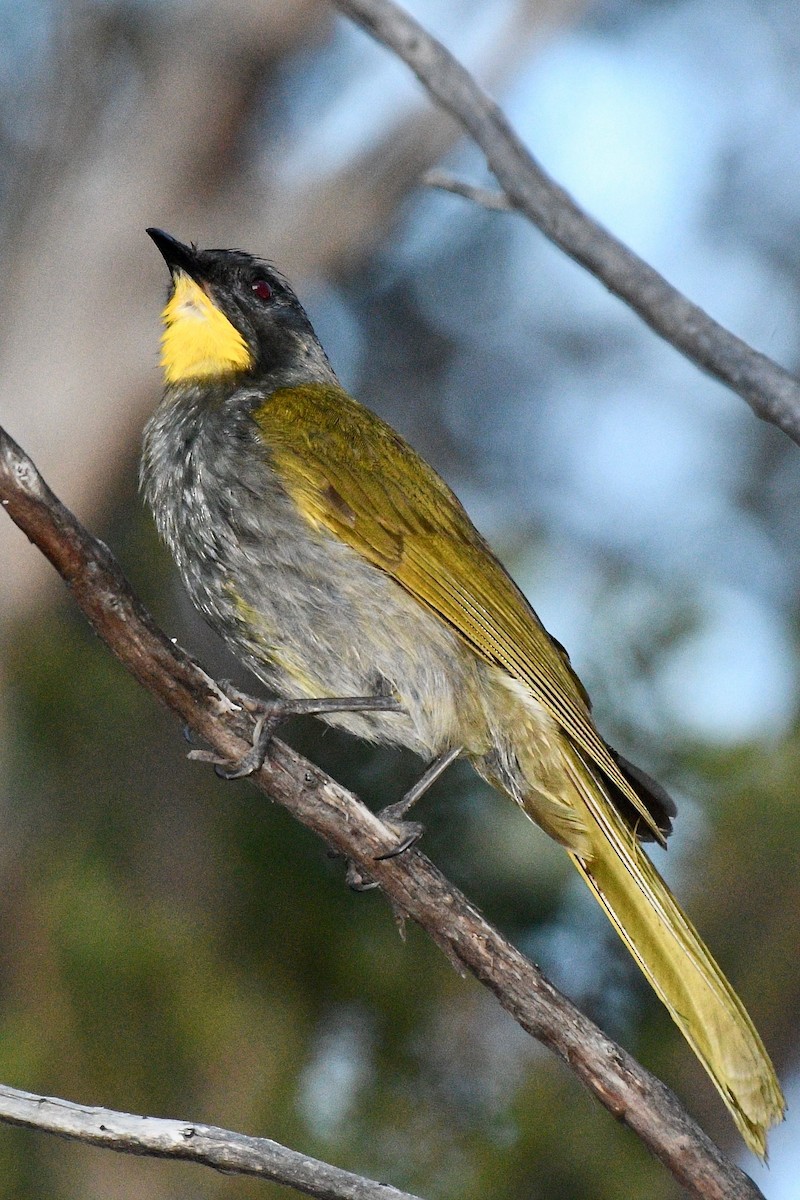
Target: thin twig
208,1145
772,392
414,886
487,198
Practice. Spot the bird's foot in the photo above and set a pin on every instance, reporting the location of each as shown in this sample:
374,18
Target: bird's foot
273,713
408,832
394,815
254,705
357,880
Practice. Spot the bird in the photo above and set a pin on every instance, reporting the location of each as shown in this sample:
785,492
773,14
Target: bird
341,569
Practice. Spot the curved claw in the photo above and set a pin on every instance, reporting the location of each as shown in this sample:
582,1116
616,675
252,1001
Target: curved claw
409,833
358,882
246,765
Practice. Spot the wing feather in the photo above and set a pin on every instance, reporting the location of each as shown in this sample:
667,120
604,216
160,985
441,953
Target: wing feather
352,475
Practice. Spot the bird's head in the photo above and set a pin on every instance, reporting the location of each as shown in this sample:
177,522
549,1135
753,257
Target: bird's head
231,315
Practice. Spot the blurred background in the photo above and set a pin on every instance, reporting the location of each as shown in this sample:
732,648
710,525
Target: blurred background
173,945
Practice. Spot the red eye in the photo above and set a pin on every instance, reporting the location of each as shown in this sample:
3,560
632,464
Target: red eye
262,289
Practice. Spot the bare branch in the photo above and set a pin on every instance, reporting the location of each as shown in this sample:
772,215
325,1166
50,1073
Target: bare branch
493,200
411,882
772,392
234,1153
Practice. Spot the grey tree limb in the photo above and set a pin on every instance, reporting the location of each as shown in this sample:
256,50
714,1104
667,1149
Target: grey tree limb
413,885
771,391
208,1145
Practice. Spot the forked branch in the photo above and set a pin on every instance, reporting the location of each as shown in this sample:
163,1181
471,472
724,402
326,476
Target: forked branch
772,392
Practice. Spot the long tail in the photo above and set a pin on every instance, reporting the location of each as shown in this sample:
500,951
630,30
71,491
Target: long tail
678,965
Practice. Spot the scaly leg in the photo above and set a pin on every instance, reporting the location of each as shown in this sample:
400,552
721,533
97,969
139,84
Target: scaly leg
393,815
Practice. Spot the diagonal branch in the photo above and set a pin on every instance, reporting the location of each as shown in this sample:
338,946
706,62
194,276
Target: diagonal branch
772,392
411,882
208,1145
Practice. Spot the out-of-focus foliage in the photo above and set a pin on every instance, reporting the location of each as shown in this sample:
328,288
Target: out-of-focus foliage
175,945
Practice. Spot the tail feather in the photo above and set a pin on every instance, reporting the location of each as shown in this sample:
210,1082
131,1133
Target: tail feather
656,800
677,964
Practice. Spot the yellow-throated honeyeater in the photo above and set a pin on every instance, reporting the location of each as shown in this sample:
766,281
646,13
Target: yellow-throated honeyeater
334,561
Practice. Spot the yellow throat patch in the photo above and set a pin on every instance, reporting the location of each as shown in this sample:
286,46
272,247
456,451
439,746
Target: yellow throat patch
199,341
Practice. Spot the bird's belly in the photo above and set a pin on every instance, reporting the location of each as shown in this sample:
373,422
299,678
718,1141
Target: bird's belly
307,613
312,618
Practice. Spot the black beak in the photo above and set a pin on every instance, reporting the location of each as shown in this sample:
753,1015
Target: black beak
177,256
